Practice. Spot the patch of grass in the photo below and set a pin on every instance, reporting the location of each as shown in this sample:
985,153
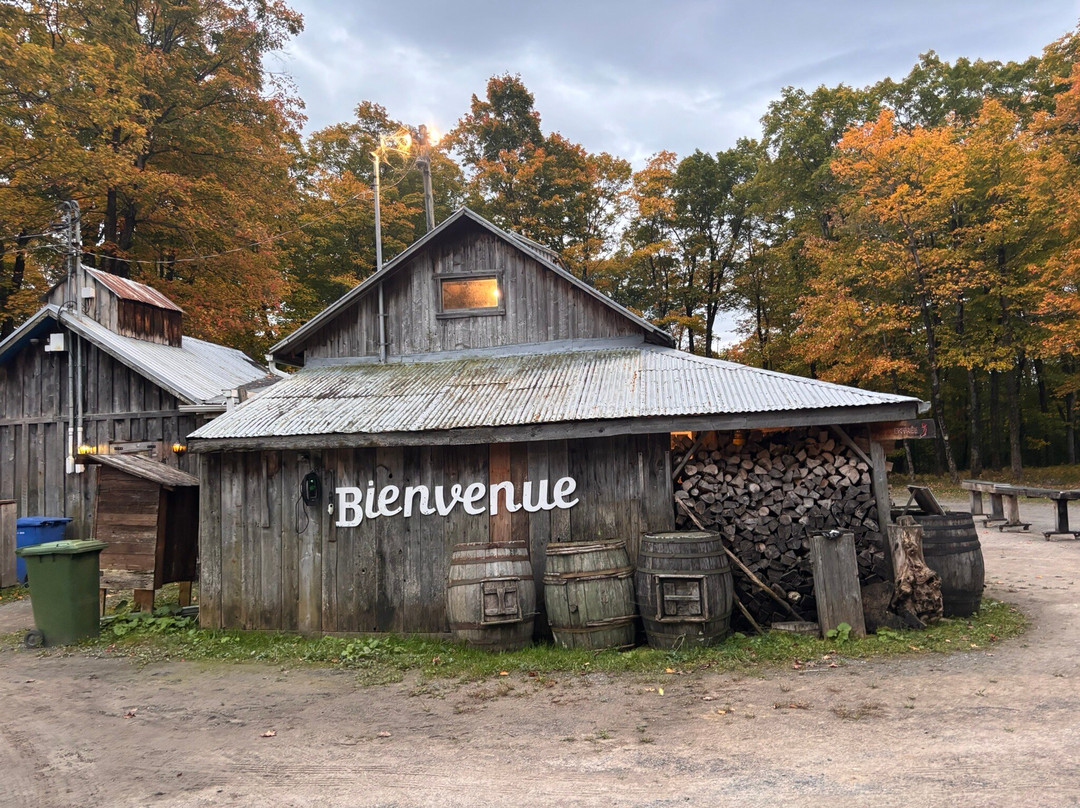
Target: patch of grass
11,593
856,713
380,659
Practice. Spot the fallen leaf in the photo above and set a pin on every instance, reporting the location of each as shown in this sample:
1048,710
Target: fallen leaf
504,673
669,670
270,733
707,698
131,713
384,734
721,712
660,690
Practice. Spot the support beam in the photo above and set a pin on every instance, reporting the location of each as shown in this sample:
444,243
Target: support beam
879,477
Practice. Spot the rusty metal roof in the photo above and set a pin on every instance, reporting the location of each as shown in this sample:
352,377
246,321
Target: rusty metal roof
525,389
130,290
147,469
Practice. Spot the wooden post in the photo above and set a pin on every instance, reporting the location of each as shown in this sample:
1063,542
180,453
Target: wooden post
836,582
144,600
7,543
1011,507
976,503
880,482
184,593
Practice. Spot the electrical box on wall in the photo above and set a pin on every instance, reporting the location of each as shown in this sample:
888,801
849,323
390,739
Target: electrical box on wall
55,343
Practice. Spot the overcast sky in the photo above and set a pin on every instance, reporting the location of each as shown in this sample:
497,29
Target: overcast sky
633,77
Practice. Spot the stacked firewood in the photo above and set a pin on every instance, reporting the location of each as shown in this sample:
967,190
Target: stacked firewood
766,496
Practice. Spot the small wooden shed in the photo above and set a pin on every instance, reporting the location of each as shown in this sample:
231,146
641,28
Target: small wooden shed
147,513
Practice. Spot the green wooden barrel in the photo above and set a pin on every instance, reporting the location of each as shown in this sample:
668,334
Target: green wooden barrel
589,594
684,588
490,595
952,550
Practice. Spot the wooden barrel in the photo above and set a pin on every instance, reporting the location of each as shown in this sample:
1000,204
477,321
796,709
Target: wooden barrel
589,594
490,595
684,588
951,548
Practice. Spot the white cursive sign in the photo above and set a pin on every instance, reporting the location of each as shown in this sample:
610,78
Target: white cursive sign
356,504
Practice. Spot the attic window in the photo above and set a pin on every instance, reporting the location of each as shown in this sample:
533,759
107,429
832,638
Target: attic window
466,295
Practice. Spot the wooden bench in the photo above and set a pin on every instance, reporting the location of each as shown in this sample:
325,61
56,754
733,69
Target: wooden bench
1061,499
1004,503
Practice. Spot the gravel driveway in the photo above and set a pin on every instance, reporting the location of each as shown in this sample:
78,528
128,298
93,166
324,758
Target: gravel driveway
995,726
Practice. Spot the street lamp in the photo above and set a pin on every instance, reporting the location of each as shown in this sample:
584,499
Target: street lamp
399,142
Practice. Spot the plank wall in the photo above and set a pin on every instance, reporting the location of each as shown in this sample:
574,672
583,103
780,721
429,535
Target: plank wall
269,562
540,306
119,405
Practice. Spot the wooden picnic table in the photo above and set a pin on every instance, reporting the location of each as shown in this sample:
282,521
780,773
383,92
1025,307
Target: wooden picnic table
1005,504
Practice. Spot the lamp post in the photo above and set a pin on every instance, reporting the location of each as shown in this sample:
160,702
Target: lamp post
399,142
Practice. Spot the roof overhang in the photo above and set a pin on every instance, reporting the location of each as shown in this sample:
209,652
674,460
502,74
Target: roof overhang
790,419
38,325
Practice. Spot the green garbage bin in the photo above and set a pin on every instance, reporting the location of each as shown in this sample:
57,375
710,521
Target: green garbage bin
64,582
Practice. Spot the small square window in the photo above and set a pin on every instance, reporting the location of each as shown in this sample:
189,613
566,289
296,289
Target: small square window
476,295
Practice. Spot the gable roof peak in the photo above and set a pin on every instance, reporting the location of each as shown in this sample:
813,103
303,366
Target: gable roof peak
545,256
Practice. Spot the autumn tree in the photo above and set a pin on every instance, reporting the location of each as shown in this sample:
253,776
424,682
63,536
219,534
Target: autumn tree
159,118
903,189
333,246
543,186
686,237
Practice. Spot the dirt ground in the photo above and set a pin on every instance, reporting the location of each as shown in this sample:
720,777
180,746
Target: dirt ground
996,726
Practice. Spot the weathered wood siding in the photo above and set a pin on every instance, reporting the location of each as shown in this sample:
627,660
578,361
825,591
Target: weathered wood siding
268,562
540,305
127,518
132,318
119,405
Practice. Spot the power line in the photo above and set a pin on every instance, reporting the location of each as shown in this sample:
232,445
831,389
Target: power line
249,245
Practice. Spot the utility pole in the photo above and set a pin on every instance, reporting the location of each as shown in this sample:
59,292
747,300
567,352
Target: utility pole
424,161
70,215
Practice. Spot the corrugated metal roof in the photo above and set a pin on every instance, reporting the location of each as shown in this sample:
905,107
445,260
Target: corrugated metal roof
130,290
147,469
524,389
197,372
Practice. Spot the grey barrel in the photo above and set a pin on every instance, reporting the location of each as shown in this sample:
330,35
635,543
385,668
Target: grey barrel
491,596
589,594
952,550
684,588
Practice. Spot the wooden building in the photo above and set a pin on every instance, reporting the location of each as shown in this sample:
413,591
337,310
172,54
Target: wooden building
471,391
103,365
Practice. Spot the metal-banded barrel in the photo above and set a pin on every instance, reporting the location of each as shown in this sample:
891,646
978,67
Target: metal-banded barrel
491,596
952,550
684,588
589,594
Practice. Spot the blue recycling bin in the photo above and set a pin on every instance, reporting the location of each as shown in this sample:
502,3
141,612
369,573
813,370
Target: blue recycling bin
31,530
